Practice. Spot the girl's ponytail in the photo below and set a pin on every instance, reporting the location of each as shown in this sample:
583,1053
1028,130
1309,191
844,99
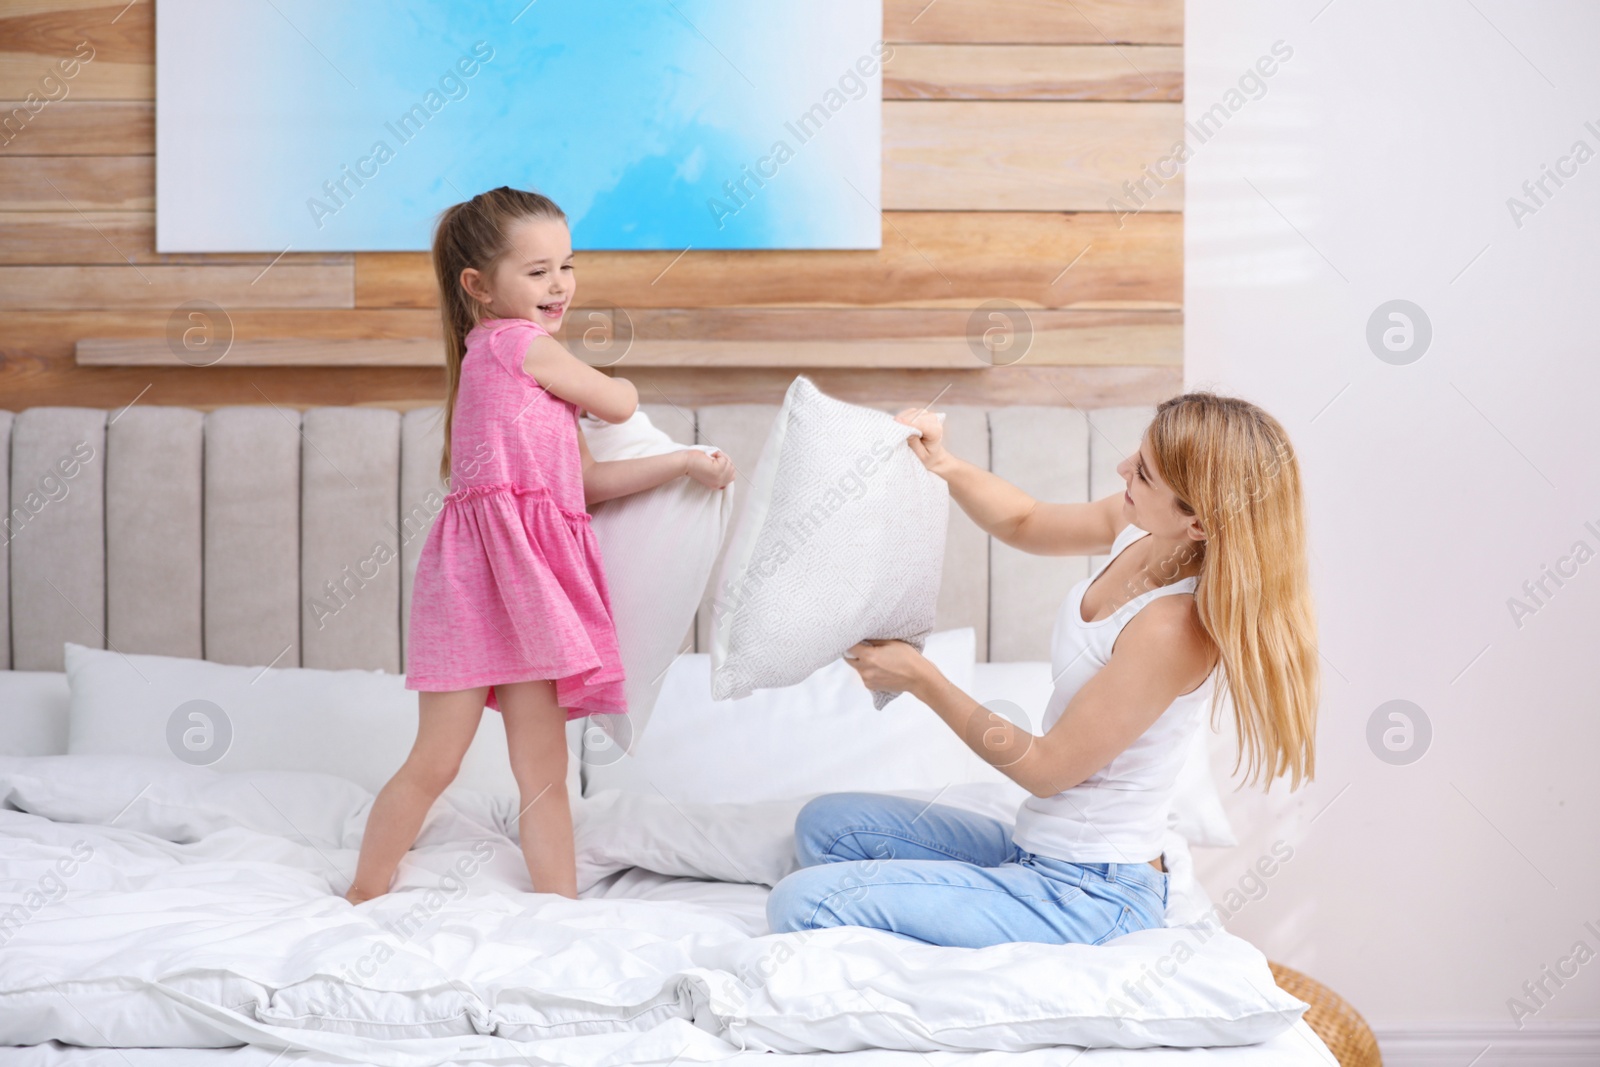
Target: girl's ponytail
473,234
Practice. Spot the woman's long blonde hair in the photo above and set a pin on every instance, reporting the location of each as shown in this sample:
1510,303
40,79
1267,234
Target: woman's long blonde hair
1231,465
473,234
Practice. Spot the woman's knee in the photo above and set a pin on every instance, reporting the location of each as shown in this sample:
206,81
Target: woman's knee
786,906
822,821
797,902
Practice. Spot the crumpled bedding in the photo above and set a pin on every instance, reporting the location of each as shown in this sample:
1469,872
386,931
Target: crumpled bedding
145,903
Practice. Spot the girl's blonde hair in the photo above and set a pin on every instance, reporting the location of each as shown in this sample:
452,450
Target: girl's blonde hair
473,234
1231,465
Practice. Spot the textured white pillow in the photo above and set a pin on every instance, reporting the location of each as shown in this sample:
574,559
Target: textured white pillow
658,548
840,539
358,725
820,736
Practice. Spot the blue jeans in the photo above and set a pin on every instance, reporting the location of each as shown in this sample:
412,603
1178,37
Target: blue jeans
944,876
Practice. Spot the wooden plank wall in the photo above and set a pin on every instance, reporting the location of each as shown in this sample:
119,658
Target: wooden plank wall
1008,126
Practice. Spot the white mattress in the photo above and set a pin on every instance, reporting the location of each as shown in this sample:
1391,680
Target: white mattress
1299,1047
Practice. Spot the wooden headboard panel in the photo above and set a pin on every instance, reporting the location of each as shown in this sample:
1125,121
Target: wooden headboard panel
265,535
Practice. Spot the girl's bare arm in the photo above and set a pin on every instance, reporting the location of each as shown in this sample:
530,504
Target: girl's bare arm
609,479
573,380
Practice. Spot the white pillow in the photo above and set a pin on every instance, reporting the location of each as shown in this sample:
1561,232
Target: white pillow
753,841
1197,812
657,548
33,713
840,539
750,842
781,744
848,988
820,736
358,725
176,802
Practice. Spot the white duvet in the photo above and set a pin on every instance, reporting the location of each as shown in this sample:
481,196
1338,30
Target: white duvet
146,903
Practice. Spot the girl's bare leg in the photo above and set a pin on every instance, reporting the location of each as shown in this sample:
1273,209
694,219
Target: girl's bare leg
446,725
536,734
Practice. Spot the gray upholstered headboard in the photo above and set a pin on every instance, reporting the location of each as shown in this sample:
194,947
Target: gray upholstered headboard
264,535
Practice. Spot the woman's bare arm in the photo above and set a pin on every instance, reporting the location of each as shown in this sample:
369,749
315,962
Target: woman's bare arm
1006,512
1160,654
1031,525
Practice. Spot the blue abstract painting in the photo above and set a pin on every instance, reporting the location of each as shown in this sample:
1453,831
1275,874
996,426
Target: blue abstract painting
305,125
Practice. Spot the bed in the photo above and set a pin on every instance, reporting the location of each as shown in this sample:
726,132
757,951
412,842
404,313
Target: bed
183,912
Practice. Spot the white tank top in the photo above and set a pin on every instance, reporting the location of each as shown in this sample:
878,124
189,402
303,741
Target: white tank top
1119,814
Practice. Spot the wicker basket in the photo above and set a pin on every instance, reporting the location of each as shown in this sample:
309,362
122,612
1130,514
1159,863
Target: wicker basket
1340,1026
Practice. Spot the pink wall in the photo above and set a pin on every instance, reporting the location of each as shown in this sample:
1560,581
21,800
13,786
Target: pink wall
1374,164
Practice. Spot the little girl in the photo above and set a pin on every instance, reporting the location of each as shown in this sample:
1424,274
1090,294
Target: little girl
510,607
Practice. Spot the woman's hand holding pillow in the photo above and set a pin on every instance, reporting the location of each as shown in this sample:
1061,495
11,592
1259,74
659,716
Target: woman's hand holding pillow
929,448
892,666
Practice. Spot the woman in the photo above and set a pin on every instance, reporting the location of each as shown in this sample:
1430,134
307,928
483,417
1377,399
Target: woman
1207,570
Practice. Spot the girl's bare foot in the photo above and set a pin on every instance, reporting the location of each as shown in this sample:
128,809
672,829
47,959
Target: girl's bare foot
355,896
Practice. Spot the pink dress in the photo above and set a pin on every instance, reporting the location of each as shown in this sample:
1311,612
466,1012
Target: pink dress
509,585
